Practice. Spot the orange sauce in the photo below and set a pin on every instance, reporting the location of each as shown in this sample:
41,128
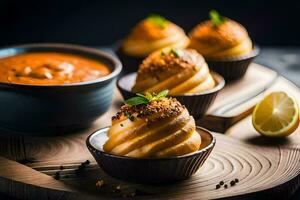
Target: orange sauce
50,68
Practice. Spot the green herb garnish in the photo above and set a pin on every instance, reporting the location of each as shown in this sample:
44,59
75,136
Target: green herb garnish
158,20
137,100
147,98
176,52
216,18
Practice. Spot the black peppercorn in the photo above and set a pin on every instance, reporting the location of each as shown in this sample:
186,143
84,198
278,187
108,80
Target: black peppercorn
225,186
236,180
221,183
232,183
117,189
81,167
131,118
57,175
218,186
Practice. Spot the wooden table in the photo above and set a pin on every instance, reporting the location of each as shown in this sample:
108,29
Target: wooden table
42,156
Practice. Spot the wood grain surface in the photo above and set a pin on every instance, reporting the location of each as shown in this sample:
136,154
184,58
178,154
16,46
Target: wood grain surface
264,167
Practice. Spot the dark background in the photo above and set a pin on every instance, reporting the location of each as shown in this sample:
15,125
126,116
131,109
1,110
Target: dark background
98,22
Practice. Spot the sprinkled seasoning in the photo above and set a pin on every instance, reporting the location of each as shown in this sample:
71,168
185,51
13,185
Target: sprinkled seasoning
82,166
99,183
163,53
169,61
221,183
131,118
232,183
225,186
218,186
168,107
117,189
57,175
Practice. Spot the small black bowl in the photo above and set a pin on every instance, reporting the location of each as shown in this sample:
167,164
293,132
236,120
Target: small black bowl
197,104
233,68
130,64
150,170
40,110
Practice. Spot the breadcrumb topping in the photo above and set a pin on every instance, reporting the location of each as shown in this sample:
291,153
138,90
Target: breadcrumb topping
163,108
169,62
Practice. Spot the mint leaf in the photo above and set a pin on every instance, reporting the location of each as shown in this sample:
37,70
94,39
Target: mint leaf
158,20
145,99
141,95
162,94
176,52
137,101
149,96
216,18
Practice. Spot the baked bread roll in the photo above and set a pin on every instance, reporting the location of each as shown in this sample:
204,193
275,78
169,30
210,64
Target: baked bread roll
220,37
158,129
151,34
181,71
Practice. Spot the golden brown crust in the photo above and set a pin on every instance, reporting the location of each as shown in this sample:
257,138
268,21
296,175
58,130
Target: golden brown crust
228,34
161,109
165,63
147,30
152,34
161,128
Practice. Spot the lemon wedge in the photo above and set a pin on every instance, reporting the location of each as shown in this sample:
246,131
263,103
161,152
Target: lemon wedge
277,115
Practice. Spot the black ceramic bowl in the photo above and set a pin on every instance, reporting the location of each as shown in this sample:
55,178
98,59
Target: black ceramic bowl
233,68
131,64
197,104
40,110
150,170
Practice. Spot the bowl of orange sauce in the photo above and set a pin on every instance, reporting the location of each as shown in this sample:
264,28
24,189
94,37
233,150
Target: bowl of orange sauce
54,88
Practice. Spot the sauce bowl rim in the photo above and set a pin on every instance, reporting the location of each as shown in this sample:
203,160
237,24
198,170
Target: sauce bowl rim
104,55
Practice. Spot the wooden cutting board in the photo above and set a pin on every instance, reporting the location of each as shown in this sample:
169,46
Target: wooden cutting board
265,168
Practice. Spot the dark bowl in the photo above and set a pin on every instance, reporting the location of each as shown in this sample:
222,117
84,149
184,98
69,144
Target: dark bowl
233,68
197,104
130,64
40,110
150,170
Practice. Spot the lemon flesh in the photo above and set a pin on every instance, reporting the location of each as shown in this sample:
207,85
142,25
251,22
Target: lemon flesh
277,115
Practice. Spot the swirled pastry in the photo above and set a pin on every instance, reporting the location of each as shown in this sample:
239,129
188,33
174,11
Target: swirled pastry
181,71
153,33
220,37
161,128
